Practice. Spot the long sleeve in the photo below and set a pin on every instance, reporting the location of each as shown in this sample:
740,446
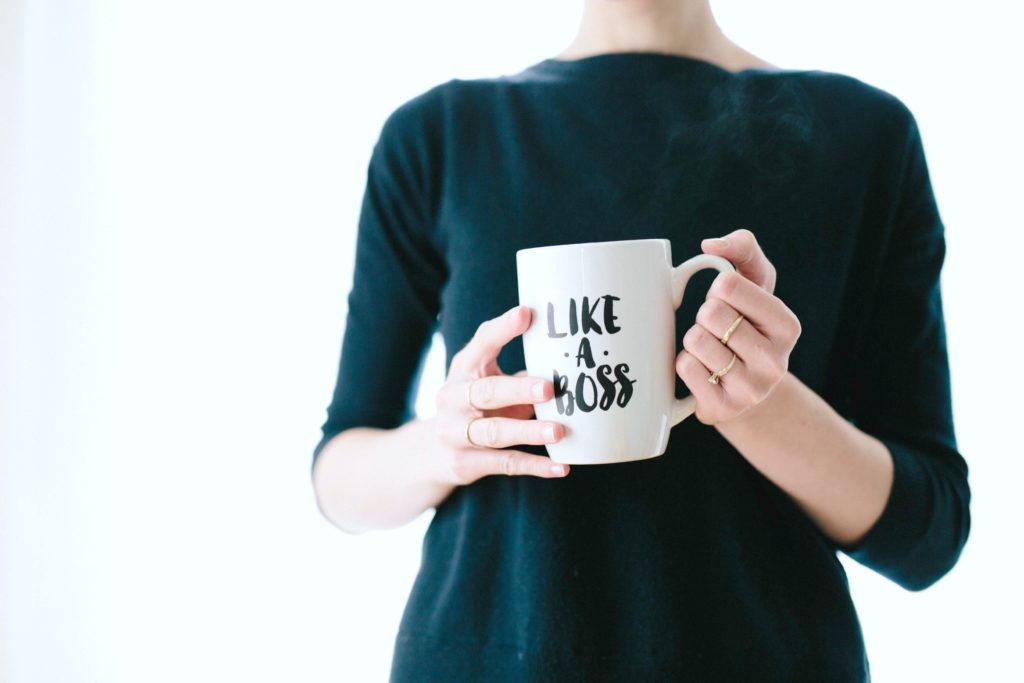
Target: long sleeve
901,392
398,274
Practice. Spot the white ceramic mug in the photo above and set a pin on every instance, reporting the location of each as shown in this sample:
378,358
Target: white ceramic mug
604,330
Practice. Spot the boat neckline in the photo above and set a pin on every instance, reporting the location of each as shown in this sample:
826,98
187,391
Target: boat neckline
621,58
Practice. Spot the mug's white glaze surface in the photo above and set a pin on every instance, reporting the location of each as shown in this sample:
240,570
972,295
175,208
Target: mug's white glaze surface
604,331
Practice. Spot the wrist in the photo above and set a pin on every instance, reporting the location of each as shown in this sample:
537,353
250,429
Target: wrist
766,406
428,463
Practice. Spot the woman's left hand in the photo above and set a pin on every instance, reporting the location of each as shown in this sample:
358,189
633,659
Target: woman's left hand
762,342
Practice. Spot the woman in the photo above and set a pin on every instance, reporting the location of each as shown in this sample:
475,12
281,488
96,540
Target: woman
829,428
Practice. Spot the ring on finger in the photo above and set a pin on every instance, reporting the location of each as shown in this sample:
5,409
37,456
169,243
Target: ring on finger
469,439
713,379
732,328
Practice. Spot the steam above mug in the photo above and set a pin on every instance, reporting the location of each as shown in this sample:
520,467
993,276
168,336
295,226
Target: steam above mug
603,330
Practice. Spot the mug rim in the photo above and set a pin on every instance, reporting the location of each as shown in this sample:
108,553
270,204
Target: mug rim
598,243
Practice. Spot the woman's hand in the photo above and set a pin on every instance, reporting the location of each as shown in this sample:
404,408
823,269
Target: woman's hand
506,408
762,342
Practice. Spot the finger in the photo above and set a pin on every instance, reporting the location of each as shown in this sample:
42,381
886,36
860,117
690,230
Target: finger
470,464
513,463
695,375
765,311
498,432
498,391
716,316
715,356
741,248
523,411
490,337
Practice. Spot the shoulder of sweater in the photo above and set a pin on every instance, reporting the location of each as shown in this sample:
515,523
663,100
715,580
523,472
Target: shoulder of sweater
416,113
848,95
435,102
428,113
422,121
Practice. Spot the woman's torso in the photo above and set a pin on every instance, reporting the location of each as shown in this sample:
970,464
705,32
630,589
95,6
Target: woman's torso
692,564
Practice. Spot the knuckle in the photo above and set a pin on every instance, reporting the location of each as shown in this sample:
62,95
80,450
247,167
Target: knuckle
748,238
485,391
683,361
510,464
460,465
725,284
717,310
796,329
785,334
460,359
492,432
706,313
690,338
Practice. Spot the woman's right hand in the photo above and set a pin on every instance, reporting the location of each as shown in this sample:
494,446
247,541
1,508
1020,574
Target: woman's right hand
505,418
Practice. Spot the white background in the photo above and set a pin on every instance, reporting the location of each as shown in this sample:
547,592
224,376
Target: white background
180,186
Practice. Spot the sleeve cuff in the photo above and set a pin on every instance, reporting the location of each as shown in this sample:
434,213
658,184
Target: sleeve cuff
893,540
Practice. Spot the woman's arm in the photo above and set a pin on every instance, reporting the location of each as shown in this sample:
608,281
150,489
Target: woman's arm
840,475
884,479
366,478
376,466
885,482
373,478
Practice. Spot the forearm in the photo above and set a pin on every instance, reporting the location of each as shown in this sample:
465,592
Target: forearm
839,475
368,478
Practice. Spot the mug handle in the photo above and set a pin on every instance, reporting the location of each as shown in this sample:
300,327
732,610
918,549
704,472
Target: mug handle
683,408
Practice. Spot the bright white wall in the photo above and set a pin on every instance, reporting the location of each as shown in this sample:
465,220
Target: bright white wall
179,186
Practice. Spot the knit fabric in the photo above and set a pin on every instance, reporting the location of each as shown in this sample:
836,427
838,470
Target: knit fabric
690,566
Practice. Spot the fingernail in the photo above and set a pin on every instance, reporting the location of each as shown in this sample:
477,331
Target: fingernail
538,390
549,432
717,241
558,469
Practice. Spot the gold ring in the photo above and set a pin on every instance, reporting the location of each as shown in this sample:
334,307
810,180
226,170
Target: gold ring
732,328
713,379
469,440
469,397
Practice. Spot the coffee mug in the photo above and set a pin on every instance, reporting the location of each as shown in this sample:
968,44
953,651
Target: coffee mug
603,330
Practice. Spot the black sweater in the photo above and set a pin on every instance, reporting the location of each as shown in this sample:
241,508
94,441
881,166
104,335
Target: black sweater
693,565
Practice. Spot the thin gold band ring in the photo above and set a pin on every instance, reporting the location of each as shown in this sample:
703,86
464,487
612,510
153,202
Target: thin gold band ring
469,440
732,328
713,379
